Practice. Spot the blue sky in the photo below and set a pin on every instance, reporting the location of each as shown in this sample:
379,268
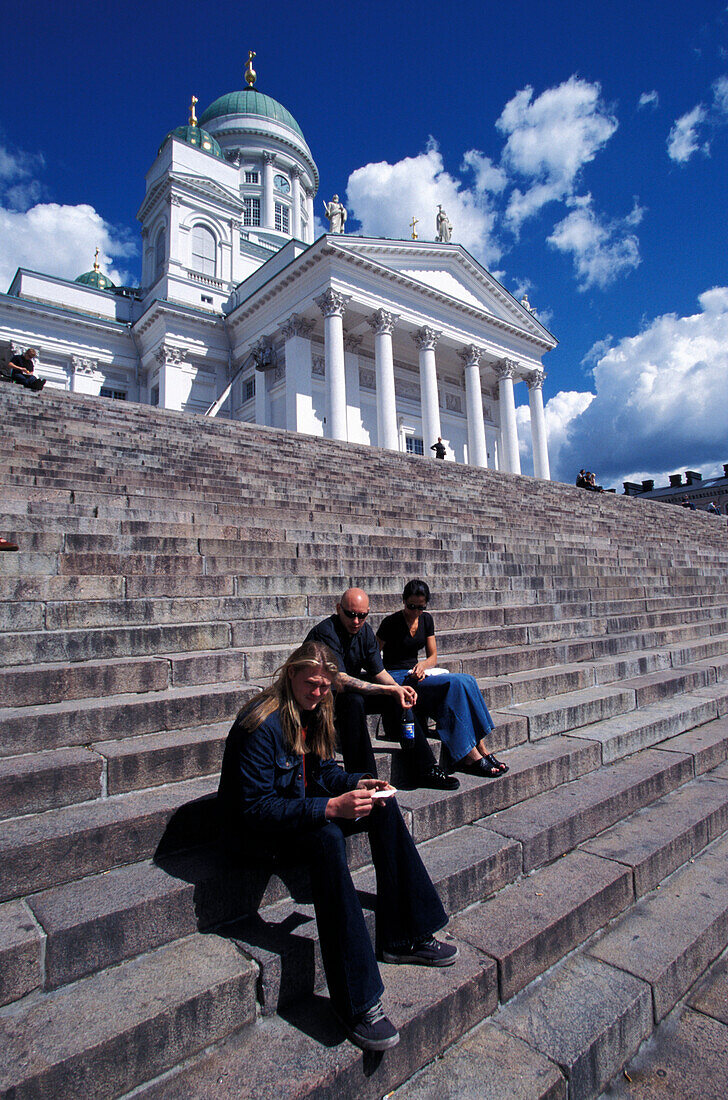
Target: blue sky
581,152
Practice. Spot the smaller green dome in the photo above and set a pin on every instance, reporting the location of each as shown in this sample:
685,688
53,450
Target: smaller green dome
96,279
195,135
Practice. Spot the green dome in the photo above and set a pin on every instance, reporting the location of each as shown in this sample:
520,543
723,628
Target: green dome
195,135
96,279
250,102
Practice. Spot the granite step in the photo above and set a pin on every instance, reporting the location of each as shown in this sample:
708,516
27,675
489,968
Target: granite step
554,822
664,941
65,844
139,1018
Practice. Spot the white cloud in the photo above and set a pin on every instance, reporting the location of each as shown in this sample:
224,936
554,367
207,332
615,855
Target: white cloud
683,139
649,99
384,197
657,407
58,240
489,177
560,412
720,95
602,250
550,139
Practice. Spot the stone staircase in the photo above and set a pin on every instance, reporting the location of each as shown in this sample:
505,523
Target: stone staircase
167,565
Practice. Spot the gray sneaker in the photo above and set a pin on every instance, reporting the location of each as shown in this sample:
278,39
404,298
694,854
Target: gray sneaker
430,952
372,1030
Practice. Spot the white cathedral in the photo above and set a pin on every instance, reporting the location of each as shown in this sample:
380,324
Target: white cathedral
241,313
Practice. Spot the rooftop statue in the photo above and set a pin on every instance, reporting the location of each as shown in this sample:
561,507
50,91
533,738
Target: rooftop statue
444,228
336,213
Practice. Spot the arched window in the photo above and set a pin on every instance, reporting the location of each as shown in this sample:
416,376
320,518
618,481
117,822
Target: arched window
160,254
203,251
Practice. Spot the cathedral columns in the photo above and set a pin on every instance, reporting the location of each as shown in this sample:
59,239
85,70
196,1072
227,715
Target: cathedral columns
534,380
296,332
505,371
477,451
426,339
382,324
332,305
268,218
296,204
309,210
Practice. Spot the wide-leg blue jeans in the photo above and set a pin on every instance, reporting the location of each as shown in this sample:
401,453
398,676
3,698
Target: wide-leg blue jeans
455,702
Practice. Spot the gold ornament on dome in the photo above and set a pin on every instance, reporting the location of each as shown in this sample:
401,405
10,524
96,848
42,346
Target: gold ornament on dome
250,73
413,227
193,116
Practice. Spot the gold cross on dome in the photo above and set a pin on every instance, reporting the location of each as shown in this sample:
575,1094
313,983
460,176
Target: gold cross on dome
413,223
193,116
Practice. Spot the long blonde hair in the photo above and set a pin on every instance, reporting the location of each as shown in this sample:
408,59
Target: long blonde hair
320,734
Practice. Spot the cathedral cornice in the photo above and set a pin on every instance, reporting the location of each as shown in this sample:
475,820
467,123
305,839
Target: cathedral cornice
522,324
66,315
176,182
328,248
161,308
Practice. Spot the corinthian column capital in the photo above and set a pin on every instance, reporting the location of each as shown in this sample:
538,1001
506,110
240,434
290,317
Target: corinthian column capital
382,322
505,368
471,355
426,338
534,379
332,303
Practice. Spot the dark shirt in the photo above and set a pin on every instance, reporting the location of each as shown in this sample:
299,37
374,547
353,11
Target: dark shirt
262,789
439,449
355,653
401,647
20,361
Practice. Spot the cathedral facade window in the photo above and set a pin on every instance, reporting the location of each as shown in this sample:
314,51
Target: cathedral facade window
204,251
251,211
160,253
252,177
283,218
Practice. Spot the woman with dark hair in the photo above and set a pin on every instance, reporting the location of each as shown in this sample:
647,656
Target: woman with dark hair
454,699
282,796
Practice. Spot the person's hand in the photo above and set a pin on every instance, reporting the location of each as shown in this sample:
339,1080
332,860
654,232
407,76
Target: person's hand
375,785
418,671
406,695
356,803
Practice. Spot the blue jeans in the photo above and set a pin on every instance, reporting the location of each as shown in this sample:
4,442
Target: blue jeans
408,907
455,702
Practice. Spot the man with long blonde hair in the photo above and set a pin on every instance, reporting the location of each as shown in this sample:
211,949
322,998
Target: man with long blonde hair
282,796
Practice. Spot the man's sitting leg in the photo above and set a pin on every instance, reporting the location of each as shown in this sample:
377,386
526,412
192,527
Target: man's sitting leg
351,726
422,769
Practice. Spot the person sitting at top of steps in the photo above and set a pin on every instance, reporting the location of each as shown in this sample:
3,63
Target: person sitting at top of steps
282,796
453,699
20,369
352,641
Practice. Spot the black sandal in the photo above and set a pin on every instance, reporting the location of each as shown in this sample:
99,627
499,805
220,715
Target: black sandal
495,763
482,768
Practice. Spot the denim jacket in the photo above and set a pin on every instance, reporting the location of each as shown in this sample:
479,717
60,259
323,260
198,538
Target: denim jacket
261,783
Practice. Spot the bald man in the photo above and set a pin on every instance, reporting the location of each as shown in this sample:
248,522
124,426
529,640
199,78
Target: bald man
363,687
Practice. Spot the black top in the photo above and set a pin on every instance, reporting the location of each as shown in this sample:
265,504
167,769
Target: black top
401,647
354,652
19,360
439,449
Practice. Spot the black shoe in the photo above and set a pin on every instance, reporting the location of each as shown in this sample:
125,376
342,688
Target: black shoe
495,763
430,952
438,780
481,768
372,1030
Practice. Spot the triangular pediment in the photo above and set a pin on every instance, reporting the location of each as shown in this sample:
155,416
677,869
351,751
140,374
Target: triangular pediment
446,270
